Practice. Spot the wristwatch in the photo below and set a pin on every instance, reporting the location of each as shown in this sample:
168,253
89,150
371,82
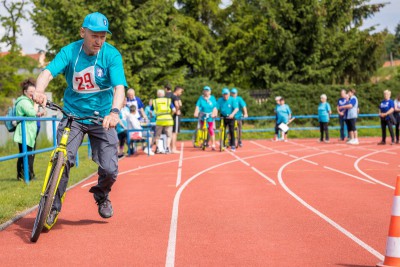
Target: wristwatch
114,110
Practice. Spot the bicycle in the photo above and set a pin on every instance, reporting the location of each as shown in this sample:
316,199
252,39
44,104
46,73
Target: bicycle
223,141
202,138
54,172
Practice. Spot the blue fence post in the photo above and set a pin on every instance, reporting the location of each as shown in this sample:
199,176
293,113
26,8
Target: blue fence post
54,132
24,150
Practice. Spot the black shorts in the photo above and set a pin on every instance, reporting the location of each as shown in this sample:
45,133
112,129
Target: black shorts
177,124
351,124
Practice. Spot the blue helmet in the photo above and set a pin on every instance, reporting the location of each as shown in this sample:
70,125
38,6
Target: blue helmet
234,91
207,88
225,91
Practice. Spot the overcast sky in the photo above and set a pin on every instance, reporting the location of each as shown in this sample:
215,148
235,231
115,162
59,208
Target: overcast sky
388,18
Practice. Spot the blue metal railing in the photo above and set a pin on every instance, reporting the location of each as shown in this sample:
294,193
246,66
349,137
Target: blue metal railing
25,153
293,128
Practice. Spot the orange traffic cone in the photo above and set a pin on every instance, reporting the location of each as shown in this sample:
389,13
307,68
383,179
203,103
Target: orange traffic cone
392,255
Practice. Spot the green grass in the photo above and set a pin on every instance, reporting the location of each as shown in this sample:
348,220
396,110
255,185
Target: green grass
16,196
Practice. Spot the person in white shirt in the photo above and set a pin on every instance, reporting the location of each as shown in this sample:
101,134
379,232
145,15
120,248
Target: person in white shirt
134,123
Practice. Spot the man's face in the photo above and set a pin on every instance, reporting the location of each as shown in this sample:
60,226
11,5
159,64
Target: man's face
131,94
233,95
226,96
179,92
92,41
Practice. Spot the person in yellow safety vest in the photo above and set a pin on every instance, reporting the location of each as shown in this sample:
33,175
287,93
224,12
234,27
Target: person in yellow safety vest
163,108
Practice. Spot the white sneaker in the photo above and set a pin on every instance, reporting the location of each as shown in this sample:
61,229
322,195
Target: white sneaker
355,142
349,141
146,151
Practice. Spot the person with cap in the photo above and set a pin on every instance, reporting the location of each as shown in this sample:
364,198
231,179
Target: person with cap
228,107
351,114
132,99
239,115
283,114
277,100
207,104
95,78
386,109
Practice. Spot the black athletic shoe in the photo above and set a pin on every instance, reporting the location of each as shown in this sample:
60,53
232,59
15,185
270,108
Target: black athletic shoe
105,207
52,217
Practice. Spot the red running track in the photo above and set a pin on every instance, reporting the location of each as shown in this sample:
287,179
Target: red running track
299,203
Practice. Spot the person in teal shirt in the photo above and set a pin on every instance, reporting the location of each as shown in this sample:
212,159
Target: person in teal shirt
95,78
324,112
206,109
239,115
228,107
283,114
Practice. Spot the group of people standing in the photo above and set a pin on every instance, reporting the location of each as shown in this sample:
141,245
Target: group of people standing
347,109
163,112
231,108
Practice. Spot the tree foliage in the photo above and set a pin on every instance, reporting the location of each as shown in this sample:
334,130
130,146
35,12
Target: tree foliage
251,44
10,22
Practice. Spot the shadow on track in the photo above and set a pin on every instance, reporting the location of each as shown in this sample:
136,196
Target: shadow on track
25,226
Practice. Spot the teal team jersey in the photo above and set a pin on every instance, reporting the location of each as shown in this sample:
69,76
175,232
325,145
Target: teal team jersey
207,106
89,89
241,104
226,107
323,112
282,114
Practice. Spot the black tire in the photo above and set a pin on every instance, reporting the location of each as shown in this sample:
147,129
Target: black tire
204,139
222,138
47,199
237,136
194,138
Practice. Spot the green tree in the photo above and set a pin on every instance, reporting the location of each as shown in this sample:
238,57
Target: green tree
10,22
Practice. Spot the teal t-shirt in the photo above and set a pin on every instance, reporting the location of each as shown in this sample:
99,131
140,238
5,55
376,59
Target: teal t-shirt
241,104
323,112
207,105
282,114
226,107
90,89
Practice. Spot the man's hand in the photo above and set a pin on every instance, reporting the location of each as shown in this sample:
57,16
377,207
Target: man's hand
245,116
110,121
231,116
40,98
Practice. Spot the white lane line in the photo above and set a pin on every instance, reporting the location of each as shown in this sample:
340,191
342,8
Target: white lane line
377,161
323,216
179,175
170,258
253,168
286,154
149,166
348,174
263,175
311,162
368,176
351,156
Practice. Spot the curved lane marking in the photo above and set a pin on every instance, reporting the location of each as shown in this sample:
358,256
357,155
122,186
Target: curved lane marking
320,214
170,258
